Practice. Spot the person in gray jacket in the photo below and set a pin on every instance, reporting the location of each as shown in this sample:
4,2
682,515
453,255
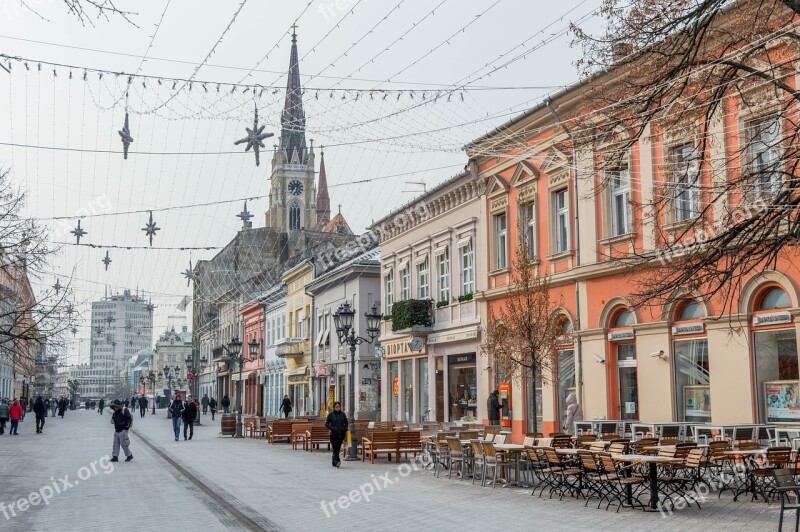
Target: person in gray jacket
3,415
574,413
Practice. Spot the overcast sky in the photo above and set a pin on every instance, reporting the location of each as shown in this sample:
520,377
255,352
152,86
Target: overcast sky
187,135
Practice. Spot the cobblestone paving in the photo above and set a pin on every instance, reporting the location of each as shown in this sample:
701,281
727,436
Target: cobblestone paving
219,483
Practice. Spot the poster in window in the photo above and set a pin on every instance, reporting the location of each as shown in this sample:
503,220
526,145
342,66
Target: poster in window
697,403
782,401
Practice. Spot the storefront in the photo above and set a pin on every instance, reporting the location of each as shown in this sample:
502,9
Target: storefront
274,386
299,390
691,368
406,374
623,376
463,387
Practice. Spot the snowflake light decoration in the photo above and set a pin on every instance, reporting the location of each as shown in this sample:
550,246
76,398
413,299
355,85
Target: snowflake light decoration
254,138
151,228
107,260
189,274
125,135
79,232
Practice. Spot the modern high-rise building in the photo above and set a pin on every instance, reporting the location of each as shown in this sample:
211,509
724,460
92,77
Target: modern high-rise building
122,325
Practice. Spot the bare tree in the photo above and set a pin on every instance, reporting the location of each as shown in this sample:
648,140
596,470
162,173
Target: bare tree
87,11
521,336
670,69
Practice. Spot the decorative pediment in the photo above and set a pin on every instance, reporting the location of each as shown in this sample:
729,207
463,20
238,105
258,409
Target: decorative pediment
527,192
524,172
496,185
554,160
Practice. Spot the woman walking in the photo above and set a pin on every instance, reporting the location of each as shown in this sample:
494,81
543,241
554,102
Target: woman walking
286,406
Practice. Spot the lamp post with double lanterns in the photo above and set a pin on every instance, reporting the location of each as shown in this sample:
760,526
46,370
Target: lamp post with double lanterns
193,376
170,373
343,318
234,352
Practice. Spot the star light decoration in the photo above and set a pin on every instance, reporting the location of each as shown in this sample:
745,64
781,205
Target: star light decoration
74,331
107,260
57,287
254,138
189,274
125,135
150,308
151,228
79,232
245,215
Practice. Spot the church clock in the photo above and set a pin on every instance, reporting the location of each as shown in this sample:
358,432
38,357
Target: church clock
295,188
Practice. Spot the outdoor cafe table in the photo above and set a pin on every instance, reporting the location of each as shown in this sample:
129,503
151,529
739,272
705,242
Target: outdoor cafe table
514,449
749,484
653,462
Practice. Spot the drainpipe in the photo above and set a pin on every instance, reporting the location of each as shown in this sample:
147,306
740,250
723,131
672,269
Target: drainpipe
578,342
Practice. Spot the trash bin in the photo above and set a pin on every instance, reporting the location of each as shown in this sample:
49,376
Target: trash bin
228,426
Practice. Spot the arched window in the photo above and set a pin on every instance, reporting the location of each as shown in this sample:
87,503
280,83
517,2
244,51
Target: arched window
566,326
691,310
294,216
624,318
774,298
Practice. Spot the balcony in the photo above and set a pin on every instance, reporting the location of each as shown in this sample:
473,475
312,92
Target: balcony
290,347
412,316
455,314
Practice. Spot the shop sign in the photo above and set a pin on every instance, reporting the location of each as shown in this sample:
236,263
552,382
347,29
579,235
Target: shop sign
616,336
400,348
688,328
322,370
462,359
454,336
298,378
772,318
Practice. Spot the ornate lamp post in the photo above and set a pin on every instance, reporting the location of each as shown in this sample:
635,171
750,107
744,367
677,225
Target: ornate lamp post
193,376
343,318
171,375
234,351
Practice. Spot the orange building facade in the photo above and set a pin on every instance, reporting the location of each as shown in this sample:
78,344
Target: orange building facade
692,359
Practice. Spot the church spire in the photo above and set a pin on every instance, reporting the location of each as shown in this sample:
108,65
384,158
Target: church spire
293,119
323,200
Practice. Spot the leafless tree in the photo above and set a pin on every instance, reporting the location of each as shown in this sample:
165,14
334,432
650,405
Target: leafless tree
86,11
520,338
703,71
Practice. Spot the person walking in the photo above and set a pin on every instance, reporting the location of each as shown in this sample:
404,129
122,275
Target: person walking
204,402
176,408
122,421
23,403
62,407
226,404
142,406
15,414
212,404
286,406
101,406
47,406
4,407
493,407
336,423
40,411
189,415
574,413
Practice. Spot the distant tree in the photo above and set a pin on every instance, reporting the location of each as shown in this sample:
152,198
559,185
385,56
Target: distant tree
691,67
86,11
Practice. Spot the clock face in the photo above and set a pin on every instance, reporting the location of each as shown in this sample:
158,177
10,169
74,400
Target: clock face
295,188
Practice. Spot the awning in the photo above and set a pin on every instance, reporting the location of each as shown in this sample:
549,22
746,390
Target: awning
245,375
403,265
297,371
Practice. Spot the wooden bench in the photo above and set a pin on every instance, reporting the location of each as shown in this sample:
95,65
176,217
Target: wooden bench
299,431
409,442
316,436
280,430
380,442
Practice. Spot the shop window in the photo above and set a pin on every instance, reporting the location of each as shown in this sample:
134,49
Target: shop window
422,390
408,390
624,318
566,378
773,299
394,392
777,375
692,380
463,383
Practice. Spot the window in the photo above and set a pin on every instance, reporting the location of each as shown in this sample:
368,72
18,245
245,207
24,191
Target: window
294,216
467,269
624,319
691,310
683,167
405,288
692,380
774,298
561,220
529,228
775,353
389,283
423,280
443,269
620,187
500,239
763,138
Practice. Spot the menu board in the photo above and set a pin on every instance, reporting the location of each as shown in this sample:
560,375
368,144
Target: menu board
782,404
697,403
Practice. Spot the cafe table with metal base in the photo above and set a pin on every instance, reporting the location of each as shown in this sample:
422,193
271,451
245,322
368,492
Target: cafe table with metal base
515,450
746,457
653,462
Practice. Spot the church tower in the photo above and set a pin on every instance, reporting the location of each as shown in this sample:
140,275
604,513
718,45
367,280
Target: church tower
293,193
323,200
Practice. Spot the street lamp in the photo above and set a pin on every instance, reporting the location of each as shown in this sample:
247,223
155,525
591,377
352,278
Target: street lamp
343,318
171,375
234,351
193,375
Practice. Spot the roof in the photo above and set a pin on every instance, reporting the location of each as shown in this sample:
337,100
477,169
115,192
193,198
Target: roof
338,225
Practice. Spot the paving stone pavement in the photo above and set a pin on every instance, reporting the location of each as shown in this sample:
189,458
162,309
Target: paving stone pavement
219,483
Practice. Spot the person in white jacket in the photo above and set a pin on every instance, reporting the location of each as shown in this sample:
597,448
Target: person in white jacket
574,413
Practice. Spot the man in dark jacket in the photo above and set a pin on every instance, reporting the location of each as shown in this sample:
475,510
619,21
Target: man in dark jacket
493,407
176,408
122,421
40,411
101,406
286,406
226,404
336,422
212,404
62,407
204,402
189,415
142,406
